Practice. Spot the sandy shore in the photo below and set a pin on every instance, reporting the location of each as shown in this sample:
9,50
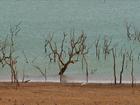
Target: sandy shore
68,94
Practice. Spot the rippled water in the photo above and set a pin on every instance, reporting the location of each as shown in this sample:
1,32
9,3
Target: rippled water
94,17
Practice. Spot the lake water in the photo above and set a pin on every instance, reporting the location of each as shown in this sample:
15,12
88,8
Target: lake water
95,17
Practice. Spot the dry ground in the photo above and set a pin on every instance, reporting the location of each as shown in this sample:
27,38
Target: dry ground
69,94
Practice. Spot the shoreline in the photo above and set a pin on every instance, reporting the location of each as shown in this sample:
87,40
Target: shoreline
72,82
73,79
9,84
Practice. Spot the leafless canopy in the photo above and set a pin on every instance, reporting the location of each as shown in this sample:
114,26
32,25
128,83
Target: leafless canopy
7,50
132,33
106,46
71,50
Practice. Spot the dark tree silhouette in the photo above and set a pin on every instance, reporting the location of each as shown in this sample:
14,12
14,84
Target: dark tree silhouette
106,46
97,48
114,66
121,72
71,50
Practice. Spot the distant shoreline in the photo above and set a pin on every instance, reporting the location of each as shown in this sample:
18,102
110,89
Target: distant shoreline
69,78
75,82
93,85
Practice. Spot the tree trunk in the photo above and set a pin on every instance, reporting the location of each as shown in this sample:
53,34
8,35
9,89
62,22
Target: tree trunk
122,69
132,74
87,75
114,67
62,70
65,66
14,78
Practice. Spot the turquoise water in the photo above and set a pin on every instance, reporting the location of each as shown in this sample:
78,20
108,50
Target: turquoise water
95,17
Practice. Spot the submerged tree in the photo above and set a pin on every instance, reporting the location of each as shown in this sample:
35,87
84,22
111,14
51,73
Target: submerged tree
42,72
132,33
7,52
71,50
132,73
121,72
97,48
106,46
114,66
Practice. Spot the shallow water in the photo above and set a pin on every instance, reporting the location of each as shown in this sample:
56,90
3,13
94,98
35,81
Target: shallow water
94,17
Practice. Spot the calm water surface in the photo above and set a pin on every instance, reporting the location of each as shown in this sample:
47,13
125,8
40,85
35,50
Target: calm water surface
95,17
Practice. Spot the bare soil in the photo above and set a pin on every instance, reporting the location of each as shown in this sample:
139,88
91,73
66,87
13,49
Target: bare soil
68,94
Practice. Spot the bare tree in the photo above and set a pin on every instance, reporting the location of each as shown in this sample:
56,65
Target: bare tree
121,72
129,54
132,73
128,33
132,33
26,63
7,52
121,52
114,66
106,46
97,48
71,50
43,73
87,72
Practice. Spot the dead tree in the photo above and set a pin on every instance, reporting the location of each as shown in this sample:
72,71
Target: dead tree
97,48
132,33
106,47
114,66
121,72
71,50
7,52
121,52
132,73
129,54
23,72
128,33
87,72
43,73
